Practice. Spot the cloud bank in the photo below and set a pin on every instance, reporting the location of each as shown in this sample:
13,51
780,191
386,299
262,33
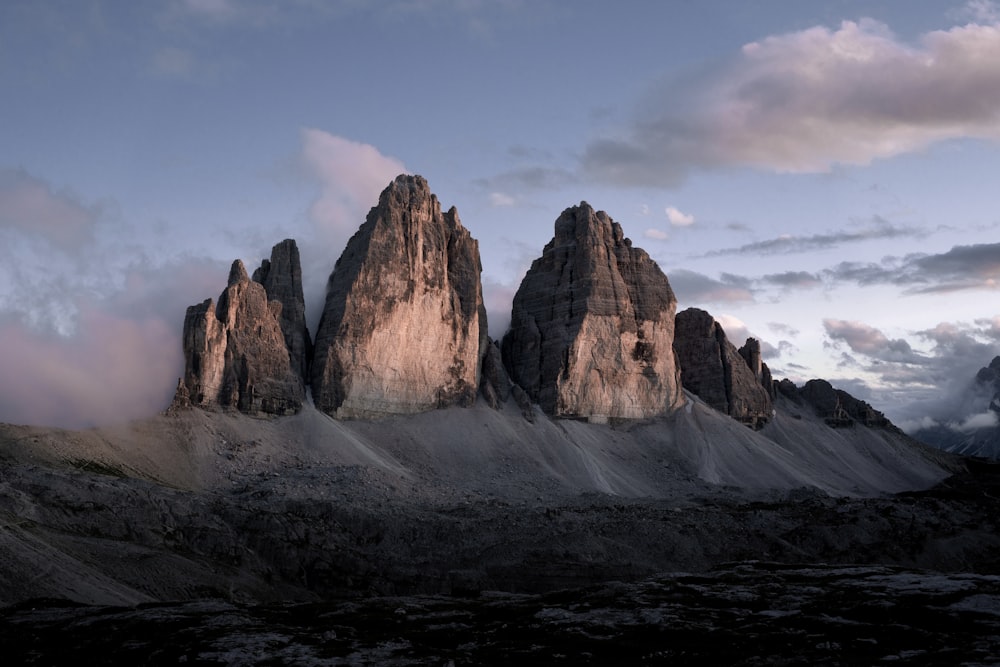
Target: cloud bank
808,100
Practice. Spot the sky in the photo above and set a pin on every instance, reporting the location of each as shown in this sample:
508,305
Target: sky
819,175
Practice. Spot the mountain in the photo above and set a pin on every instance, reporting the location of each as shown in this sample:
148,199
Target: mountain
604,440
404,326
734,381
236,354
972,425
592,325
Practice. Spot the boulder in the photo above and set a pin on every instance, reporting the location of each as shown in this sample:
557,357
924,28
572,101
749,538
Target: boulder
404,328
592,325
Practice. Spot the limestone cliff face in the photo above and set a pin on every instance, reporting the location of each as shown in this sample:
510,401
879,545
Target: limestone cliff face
404,326
235,353
732,381
592,325
281,277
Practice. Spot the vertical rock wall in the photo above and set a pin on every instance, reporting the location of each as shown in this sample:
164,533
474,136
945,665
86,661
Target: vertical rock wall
281,277
731,381
404,326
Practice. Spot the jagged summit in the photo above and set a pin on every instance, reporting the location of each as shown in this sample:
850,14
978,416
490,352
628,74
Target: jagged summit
281,277
734,381
235,353
592,325
404,326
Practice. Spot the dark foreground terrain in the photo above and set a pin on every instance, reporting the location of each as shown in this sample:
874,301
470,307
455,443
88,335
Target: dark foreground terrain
488,538
752,613
910,579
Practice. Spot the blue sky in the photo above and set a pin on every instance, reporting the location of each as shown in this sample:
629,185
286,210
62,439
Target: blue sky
818,175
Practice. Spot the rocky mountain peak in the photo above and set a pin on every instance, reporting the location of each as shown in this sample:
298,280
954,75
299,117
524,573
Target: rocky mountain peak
404,326
281,276
733,381
236,353
592,325
238,274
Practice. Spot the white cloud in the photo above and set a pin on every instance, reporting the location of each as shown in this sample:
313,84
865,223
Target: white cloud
977,421
679,219
656,234
808,100
350,175
500,199
644,210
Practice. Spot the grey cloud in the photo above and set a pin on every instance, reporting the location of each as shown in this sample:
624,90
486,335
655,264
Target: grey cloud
877,229
798,279
869,341
961,268
30,205
529,178
694,288
782,328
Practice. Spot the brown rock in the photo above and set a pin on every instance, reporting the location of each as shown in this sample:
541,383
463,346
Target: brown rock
235,354
592,325
404,324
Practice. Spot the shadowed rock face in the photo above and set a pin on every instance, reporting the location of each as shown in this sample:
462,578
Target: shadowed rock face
404,326
837,407
235,354
281,277
592,325
732,381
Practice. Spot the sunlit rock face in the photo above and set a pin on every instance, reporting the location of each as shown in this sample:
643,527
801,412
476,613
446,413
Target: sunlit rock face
404,326
281,276
735,382
592,325
235,353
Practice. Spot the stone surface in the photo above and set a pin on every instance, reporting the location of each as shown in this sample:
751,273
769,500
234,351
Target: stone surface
592,325
404,325
752,355
837,407
281,277
495,384
235,354
731,381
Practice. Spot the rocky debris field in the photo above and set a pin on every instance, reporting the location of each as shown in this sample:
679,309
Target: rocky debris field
749,613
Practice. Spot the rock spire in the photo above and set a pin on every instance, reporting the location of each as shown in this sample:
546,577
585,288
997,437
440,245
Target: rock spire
404,326
592,325
281,277
235,352
735,382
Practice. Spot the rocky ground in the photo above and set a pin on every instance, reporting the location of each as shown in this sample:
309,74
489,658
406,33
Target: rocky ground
752,613
213,537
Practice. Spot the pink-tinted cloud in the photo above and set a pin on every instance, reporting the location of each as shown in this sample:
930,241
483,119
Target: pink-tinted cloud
112,370
121,358
32,206
350,175
807,100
